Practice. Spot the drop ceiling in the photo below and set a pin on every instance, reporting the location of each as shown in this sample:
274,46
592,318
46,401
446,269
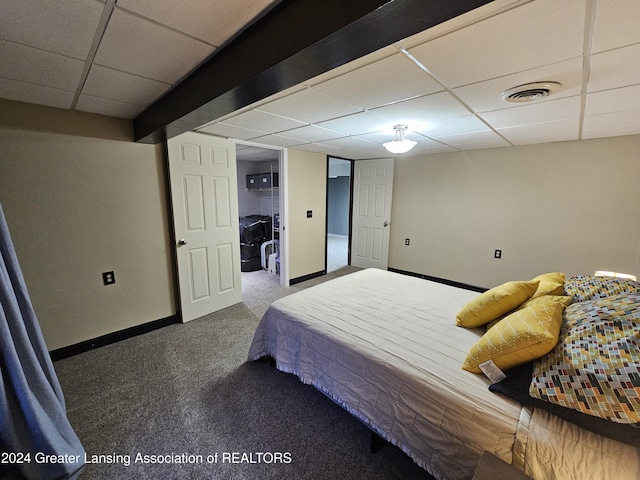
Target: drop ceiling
117,57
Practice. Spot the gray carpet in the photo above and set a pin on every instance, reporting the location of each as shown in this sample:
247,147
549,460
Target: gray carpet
188,389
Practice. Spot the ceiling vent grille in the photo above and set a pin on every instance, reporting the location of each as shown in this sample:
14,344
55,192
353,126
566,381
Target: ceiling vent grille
529,92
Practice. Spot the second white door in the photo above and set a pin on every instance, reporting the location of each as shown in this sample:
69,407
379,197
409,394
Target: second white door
372,192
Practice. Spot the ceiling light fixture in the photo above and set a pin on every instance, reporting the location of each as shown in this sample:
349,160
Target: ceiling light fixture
399,144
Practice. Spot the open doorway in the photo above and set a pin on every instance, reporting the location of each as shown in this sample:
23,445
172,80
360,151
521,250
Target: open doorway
259,209
338,212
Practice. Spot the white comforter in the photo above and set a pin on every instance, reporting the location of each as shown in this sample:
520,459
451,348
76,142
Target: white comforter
386,348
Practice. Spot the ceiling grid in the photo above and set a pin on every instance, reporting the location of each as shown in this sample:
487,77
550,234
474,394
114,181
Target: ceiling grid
123,58
102,26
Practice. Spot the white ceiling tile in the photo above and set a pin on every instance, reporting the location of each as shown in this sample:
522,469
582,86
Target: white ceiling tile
396,78
152,51
103,106
418,113
473,16
455,125
278,140
318,148
535,34
431,148
213,21
309,106
45,24
355,148
612,124
427,144
485,96
257,119
560,131
231,131
352,65
124,87
356,124
36,66
474,140
616,68
312,133
350,143
38,94
620,99
612,27
532,113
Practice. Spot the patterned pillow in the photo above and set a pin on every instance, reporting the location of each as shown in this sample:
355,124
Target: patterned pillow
587,287
520,337
595,367
561,299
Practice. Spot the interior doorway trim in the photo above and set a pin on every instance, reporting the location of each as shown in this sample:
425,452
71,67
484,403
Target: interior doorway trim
348,213
283,199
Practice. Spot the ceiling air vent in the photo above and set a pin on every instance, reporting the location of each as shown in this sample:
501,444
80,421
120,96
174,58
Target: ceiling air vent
529,92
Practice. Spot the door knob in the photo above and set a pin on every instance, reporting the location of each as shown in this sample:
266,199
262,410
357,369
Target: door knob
386,224
182,242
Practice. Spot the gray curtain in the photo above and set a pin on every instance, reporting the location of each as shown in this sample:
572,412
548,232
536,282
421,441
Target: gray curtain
33,418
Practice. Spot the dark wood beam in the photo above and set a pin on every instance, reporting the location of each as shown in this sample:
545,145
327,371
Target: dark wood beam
295,41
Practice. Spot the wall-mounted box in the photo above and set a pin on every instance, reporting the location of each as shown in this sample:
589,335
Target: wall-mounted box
253,181
262,181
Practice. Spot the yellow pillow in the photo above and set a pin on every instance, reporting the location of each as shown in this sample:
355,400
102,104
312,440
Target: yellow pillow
518,338
495,302
550,284
493,323
561,299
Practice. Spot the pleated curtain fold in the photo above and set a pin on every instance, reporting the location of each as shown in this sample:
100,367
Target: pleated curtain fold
34,428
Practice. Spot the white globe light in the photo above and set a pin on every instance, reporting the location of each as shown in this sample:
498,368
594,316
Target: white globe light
399,144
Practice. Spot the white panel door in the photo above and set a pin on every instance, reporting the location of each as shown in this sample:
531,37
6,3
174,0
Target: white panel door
372,189
204,192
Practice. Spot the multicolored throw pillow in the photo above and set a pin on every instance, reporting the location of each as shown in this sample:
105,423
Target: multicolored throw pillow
595,367
588,287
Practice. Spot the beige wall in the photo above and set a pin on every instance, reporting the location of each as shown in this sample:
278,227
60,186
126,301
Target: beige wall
307,187
80,199
572,207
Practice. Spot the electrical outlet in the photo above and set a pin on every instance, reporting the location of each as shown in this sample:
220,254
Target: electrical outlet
309,213
108,278
407,241
497,254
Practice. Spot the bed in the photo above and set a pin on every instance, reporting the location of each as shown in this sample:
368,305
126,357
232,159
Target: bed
387,348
